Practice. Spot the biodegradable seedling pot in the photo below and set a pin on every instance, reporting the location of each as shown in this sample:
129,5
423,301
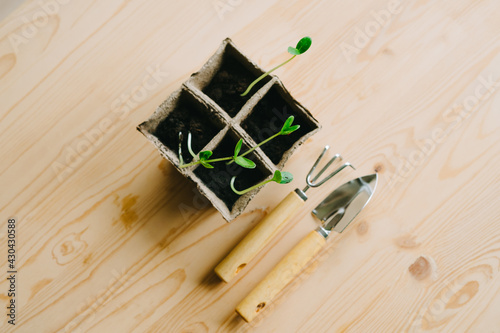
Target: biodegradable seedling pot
209,106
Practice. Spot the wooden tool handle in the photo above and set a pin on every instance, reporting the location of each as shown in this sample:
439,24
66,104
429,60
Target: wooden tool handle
257,239
280,276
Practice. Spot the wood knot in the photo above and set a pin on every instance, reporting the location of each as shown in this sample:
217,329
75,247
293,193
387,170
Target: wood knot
388,51
407,241
68,248
362,228
164,167
379,167
86,260
421,268
128,215
464,295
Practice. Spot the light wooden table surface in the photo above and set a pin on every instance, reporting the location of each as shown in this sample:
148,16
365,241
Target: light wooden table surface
111,238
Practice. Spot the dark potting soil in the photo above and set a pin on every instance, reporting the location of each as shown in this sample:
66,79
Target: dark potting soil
188,116
218,179
230,81
267,118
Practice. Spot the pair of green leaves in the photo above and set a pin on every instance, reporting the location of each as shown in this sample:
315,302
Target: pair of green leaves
302,46
249,164
278,177
204,156
240,160
282,177
287,126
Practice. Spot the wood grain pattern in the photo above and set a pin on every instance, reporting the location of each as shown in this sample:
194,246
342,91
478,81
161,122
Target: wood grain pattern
112,239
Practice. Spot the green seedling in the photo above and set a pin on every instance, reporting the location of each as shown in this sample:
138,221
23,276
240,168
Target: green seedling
278,177
302,46
203,157
285,130
240,160
181,160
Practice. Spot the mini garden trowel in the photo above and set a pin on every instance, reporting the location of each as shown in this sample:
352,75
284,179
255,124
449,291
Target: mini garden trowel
336,212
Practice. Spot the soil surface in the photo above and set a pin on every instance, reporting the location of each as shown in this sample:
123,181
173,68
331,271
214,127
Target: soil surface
188,116
218,179
267,118
229,82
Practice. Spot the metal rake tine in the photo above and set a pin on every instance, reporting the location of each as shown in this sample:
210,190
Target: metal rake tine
308,178
314,167
324,180
317,160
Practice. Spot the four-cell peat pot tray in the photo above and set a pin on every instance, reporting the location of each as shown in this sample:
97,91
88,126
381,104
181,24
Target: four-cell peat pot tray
208,113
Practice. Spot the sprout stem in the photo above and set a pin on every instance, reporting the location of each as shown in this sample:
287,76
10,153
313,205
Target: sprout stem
208,161
181,160
220,159
264,75
260,144
189,145
248,189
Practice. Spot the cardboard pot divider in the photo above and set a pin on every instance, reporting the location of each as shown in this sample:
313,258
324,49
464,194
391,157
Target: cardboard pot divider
209,106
